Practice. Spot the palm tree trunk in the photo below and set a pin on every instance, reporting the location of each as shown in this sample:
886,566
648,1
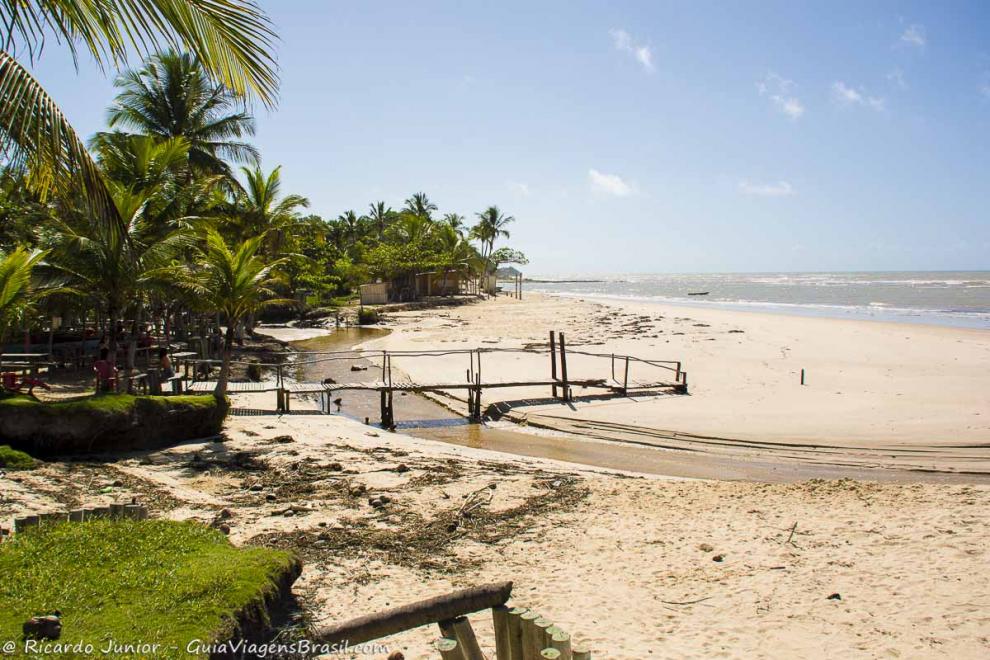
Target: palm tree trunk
228,348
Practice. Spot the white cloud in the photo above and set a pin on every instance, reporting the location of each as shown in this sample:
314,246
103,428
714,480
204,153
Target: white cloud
778,189
914,36
847,96
608,183
779,90
896,78
519,187
624,42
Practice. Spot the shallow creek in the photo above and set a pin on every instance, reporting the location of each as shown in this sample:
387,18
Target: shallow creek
422,417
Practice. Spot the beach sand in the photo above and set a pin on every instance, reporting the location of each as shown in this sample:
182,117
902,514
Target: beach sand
634,567
607,557
901,395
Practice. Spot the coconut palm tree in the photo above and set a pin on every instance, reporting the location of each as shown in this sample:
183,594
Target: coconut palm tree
381,217
491,226
260,210
235,283
118,269
455,221
18,291
419,204
232,39
172,96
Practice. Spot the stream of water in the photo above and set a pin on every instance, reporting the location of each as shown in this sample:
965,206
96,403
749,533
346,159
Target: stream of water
422,417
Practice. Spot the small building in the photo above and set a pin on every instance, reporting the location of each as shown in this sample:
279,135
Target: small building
376,293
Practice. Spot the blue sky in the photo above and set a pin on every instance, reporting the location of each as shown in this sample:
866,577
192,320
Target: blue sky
640,137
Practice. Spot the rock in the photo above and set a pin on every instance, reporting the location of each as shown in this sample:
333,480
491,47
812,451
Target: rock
225,529
385,499
358,490
224,514
288,513
256,487
43,627
356,367
834,596
270,497
376,503
396,655
335,467
718,558
401,467
704,547
283,439
372,434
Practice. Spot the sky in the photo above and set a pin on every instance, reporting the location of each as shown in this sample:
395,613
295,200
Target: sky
638,136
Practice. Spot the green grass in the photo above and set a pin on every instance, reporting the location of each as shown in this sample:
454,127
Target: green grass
105,403
151,581
12,459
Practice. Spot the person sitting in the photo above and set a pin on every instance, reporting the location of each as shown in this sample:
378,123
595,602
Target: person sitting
106,372
165,364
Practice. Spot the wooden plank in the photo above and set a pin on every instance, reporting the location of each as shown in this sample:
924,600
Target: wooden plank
413,615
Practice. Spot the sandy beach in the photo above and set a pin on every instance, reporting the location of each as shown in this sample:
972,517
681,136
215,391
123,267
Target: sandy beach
635,566
876,394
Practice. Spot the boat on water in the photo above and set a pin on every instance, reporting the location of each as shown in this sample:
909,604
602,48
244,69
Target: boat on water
698,293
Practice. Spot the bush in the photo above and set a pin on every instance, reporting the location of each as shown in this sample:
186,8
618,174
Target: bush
14,460
367,316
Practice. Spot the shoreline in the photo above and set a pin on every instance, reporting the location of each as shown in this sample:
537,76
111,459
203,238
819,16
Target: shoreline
856,313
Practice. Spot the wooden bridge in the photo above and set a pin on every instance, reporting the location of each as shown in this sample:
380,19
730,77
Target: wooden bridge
561,386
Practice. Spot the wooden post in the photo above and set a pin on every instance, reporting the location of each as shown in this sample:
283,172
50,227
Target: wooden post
500,619
532,637
561,641
516,632
553,365
542,624
563,367
448,649
580,653
460,629
550,653
625,380
802,376
384,412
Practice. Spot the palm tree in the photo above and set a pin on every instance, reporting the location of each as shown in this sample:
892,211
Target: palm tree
381,217
236,284
455,221
171,96
233,40
419,204
116,268
261,210
351,225
491,226
18,292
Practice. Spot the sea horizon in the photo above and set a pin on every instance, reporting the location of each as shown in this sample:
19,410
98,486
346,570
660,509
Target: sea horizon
956,298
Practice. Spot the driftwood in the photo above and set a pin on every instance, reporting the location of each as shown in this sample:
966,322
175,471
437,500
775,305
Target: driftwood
432,610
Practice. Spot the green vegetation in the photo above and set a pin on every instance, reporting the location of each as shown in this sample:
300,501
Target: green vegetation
154,581
367,316
107,422
104,403
12,459
195,240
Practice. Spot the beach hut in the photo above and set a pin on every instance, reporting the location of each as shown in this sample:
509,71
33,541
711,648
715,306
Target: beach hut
510,274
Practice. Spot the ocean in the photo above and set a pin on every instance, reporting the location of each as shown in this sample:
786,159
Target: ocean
960,299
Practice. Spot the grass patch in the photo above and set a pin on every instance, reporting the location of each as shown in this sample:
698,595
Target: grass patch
12,459
150,581
104,403
367,316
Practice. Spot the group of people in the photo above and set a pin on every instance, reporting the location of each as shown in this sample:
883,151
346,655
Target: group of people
105,366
